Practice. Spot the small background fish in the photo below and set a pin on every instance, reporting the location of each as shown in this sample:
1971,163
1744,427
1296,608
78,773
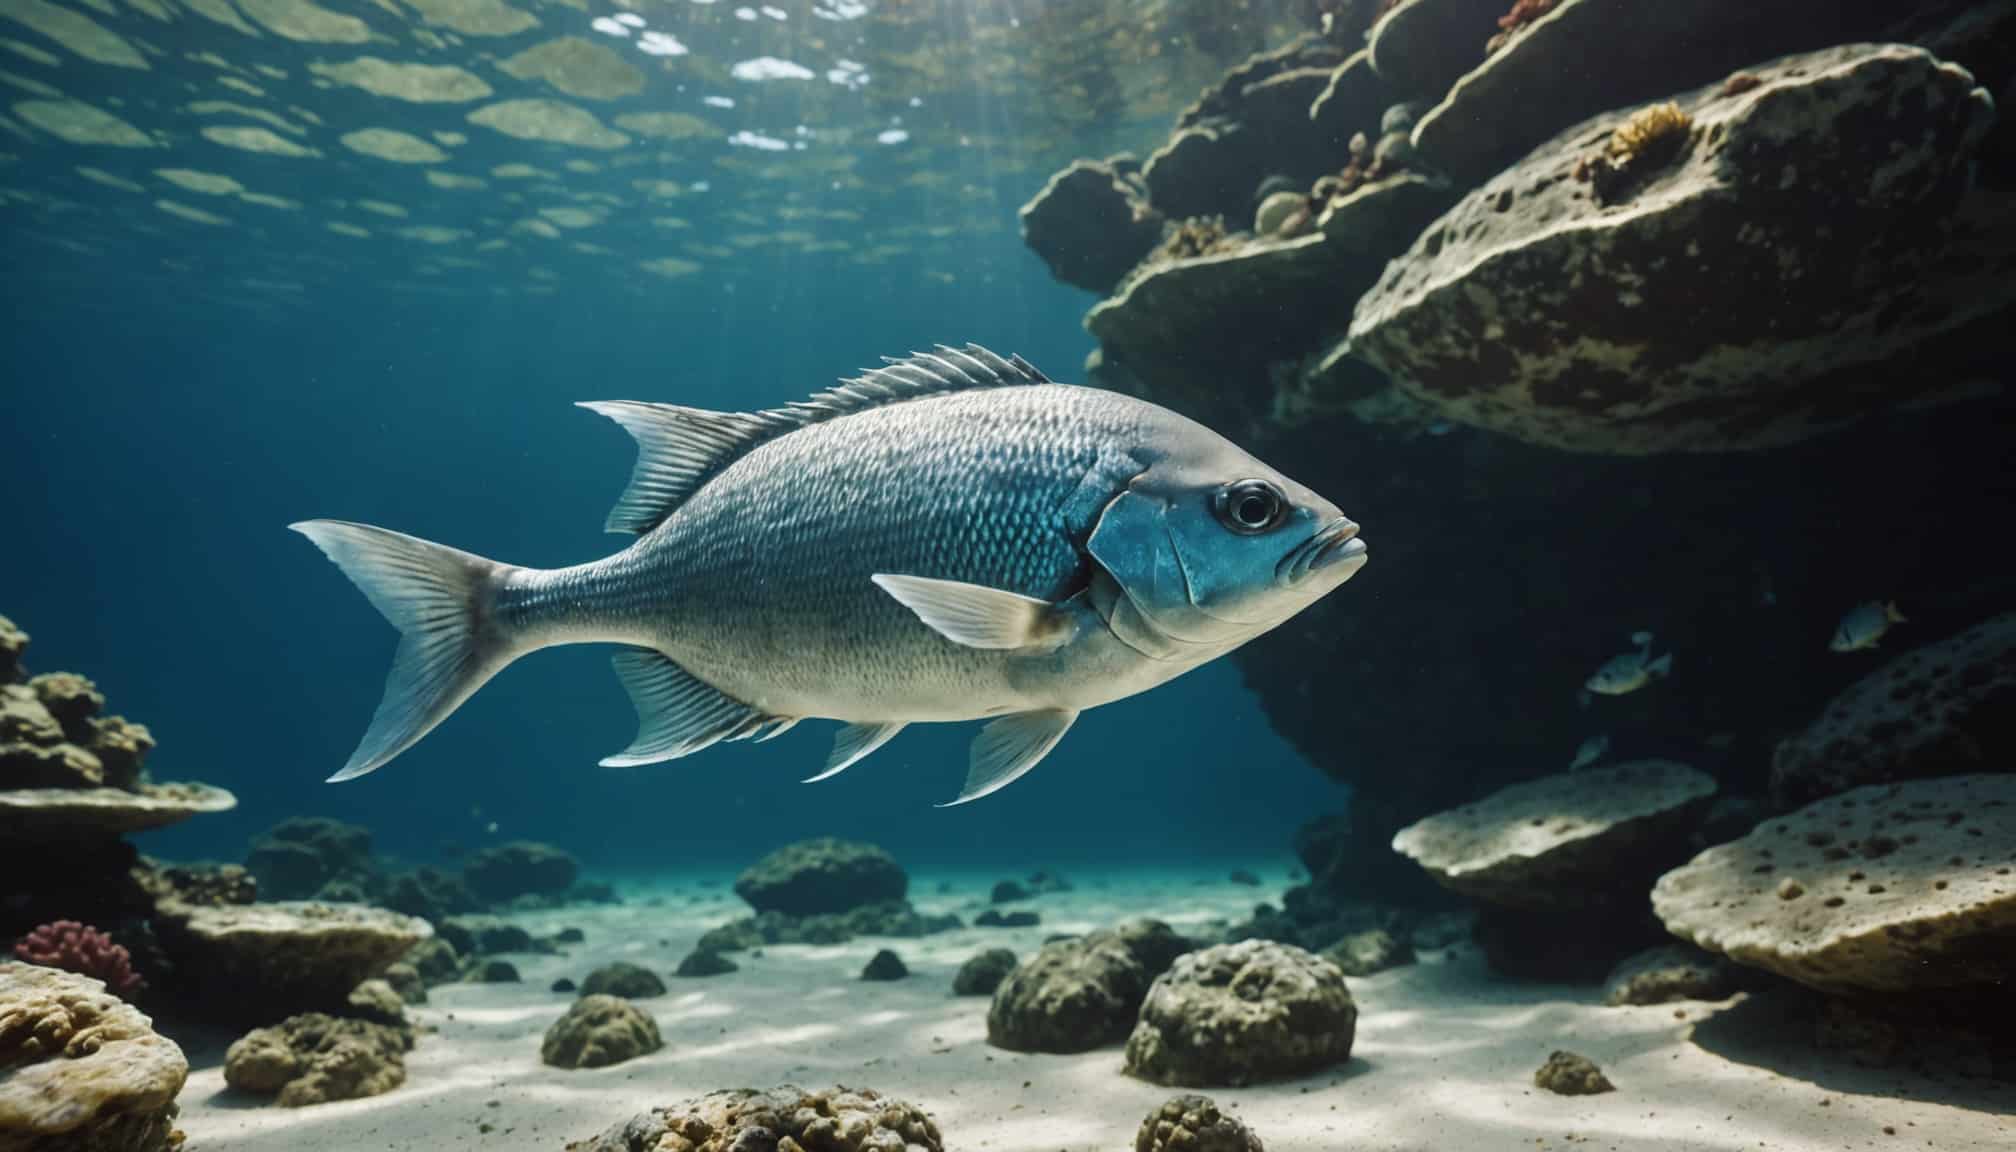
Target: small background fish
1865,625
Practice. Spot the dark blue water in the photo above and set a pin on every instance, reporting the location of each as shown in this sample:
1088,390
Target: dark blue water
159,445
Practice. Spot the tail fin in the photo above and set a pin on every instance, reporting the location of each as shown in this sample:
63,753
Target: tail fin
1661,667
1891,613
441,601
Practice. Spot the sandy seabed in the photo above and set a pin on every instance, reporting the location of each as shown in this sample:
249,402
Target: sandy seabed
1443,1060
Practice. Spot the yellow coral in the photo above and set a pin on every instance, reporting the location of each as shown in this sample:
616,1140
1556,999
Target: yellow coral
1651,136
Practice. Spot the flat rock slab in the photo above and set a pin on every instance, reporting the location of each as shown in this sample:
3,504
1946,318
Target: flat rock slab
1885,888
1555,841
263,962
67,814
1837,187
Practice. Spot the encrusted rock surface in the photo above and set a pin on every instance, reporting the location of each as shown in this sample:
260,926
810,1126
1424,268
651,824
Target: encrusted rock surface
1242,1014
1885,888
314,1059
1571,1074
1561,841
80,1069
1837,185
743,1120
70,814
1945,708
1194,1124
1370,951
1422,46
597,1031
1619,55
1080,993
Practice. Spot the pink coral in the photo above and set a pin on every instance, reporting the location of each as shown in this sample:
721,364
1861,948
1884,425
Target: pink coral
80,948
1523,12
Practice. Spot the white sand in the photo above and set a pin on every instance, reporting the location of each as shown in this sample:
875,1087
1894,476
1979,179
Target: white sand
1443,1061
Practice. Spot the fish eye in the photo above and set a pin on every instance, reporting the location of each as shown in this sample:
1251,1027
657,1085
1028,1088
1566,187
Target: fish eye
1250,507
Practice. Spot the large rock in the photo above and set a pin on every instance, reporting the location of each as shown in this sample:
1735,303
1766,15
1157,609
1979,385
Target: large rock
1090,224
314,1059
1563,841
597,1031
1885,888
1242,1014
260,963
1836,185
822,876
1619,53
1253,125
519,868
83,1071
1422,46
835,1120
1942,709
1083,992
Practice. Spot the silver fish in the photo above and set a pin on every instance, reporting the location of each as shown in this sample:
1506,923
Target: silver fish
950,537
1864,625
1590,751
1630,671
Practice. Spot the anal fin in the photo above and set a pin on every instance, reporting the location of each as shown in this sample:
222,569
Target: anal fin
677,713
852,744
1008,747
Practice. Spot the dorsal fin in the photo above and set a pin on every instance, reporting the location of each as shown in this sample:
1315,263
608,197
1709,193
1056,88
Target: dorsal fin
679,449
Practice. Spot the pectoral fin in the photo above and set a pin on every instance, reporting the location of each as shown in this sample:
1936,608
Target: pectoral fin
976,616
1010,746
853,743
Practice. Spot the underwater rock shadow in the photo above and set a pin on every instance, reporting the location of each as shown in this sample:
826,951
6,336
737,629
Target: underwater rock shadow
1775,1031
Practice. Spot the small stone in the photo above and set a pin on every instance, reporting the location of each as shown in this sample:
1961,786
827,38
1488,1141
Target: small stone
1243,1013
993,919
1193,1124
1569,1074
1374,950
563,984
1248,879
313,1059
569,936
885,965
1007,892
700,962
490,970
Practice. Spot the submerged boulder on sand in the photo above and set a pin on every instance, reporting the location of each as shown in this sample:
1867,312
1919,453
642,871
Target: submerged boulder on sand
834,1120
1882,889
822,876
598,1031
1080,993
1193,1124
519,868
1243,1013
82,1069
313,1059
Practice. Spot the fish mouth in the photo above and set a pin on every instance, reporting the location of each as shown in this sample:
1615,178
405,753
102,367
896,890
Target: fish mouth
1334,547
